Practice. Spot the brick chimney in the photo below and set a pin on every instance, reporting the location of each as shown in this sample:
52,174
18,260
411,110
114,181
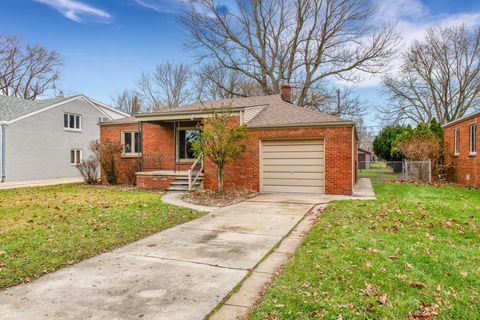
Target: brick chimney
286,92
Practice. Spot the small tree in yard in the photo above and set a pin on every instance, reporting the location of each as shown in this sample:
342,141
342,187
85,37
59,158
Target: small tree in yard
220,140
107,153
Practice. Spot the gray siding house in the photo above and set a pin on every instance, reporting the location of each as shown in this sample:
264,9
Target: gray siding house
45,139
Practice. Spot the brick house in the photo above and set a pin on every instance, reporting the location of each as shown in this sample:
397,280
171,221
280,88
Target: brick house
461,143
288,149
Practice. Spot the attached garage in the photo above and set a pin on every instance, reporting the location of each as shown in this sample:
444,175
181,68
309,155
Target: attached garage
292,166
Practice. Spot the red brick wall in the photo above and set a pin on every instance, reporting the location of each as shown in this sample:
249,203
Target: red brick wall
244,172
113,133
464,163
154,182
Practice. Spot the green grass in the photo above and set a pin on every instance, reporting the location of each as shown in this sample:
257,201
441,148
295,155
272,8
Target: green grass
415,245
43,229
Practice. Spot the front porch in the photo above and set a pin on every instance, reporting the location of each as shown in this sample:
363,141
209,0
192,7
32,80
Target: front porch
171,180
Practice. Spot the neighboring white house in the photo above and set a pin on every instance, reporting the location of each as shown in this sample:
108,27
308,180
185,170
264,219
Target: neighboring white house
45,139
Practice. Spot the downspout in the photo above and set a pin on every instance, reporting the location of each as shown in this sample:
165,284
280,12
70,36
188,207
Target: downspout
353,157
174,146
140,130
3,130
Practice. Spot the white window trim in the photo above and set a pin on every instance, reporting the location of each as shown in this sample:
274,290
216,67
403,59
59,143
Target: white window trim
177,146
81,157
129,154
456,148
470,141
79,122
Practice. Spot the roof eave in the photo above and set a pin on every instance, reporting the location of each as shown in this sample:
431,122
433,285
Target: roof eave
451,123
305,124
183,115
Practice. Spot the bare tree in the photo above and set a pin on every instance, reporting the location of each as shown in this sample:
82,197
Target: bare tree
166,87
439,78
26,71
302,42
212,81
343,103
128,101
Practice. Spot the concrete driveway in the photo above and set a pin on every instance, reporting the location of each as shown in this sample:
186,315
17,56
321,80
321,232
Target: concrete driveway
180,273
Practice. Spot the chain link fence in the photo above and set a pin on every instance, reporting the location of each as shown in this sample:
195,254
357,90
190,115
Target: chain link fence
390,171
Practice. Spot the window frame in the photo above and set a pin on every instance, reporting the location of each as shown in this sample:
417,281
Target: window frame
134,143
79,158
456,144
75,117
177,146
472,141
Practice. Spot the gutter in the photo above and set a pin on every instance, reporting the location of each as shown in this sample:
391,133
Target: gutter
3,129
306,124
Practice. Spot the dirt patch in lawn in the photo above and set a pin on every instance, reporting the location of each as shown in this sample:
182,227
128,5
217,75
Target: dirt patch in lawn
215,199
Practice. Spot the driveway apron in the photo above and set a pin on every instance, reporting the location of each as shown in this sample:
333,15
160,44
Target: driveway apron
179,273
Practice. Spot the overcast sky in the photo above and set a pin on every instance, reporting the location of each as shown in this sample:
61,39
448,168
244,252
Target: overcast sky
106,44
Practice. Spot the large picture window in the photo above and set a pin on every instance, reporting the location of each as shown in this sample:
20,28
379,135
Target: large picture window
473,139
185,138
132,142
72,121
456,142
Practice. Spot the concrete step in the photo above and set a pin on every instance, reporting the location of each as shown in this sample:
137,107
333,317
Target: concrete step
183,183
178,189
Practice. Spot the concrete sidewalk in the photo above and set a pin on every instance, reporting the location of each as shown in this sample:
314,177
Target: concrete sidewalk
180,273
37,183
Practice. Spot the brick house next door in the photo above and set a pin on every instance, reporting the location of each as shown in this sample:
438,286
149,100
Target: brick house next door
293,166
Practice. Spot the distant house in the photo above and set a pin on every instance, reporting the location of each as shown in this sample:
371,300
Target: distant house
461,144
45,139
288,149
364,158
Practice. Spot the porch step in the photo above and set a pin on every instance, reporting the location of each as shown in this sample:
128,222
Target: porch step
180,184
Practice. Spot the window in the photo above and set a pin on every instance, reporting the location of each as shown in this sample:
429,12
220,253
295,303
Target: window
473,139
132,142
456,142
185,138
75,157
72,121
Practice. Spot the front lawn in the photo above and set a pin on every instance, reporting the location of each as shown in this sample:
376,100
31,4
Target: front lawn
412,254
43,229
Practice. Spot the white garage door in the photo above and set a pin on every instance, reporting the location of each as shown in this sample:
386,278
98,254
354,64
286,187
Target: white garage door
293,166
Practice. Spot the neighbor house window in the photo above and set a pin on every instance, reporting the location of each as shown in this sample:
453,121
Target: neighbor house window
456,142
72,121
132,142
75,156
473,138
185,138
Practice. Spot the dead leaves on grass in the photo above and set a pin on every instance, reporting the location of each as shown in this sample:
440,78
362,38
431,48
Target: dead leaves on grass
425,312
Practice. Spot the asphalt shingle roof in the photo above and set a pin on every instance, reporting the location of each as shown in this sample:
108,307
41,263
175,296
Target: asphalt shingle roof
276,111
12,108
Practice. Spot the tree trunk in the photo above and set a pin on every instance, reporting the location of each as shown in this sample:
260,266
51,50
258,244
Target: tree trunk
220,179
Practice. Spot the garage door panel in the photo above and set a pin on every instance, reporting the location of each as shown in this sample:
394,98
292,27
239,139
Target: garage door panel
293,148
298,189
293,155
293,182
312,168
293,166
294,175
288,162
